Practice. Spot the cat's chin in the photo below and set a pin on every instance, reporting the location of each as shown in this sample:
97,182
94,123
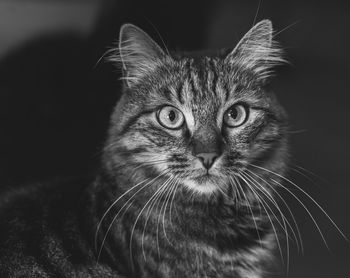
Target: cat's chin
202,185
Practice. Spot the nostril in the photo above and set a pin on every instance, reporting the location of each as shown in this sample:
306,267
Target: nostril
207,159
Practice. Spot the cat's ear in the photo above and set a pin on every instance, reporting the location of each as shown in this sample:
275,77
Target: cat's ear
257,51
138,53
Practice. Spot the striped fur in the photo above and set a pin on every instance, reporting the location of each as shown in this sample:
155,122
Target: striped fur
153,210
180,225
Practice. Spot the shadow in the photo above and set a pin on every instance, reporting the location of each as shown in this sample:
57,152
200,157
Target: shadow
55,102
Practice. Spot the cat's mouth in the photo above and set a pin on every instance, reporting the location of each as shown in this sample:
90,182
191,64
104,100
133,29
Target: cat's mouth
205,183
205,178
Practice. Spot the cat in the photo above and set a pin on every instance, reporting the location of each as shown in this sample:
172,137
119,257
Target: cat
186,174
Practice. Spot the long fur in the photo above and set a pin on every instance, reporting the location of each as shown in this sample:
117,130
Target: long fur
258,51
152,209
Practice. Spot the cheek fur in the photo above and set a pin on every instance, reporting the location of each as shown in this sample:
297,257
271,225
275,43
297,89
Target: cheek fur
161,150
251,142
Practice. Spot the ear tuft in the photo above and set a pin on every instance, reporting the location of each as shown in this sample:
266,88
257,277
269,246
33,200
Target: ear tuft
138,54
257,51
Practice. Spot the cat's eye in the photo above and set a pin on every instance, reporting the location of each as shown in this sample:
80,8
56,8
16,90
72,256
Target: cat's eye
236,115
170,117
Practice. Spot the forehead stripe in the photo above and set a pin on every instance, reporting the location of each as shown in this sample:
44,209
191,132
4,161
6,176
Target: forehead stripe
213,78
180,93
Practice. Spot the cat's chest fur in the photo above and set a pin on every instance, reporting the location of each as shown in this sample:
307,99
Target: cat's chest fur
196,241
205,125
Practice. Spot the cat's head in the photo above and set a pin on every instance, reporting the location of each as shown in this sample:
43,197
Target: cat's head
199,120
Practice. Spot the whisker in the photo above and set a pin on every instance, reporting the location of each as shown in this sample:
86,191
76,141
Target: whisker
129,163
287,27
289,210
168,197
148,213
235,192
138,216
161,38
111,206
242,190
297,131
323,180
251,212
109,227
171,203
284,220
308,195
268,215
115,217
257,12
107,52
306,209
159,199
149,163
303,175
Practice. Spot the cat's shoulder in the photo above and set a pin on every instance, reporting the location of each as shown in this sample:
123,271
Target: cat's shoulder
45,230
41,194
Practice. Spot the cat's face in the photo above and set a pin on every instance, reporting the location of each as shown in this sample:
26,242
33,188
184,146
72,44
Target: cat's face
199,120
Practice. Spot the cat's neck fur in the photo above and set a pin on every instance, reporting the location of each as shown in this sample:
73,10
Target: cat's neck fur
213,230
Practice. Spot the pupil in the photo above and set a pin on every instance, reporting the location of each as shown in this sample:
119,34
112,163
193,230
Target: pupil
172,115
234,113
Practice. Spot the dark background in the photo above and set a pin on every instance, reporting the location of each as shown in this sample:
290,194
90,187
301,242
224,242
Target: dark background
55,101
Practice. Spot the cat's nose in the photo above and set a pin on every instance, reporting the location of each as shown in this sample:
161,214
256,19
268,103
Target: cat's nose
207,159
